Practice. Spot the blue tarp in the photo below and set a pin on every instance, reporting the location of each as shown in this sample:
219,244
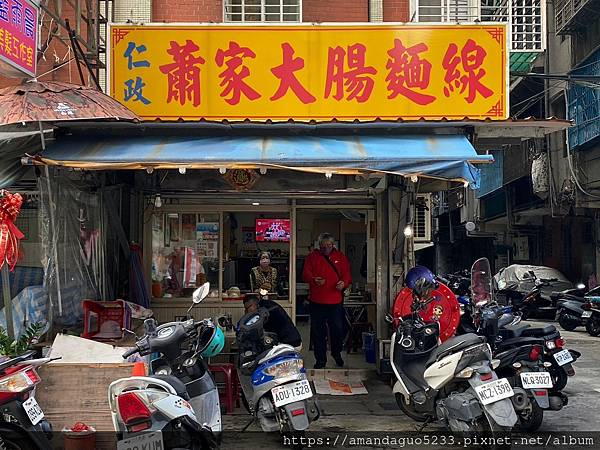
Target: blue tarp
437,156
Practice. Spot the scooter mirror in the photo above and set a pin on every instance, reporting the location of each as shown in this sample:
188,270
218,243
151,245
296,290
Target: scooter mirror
201,293
389,318
150,326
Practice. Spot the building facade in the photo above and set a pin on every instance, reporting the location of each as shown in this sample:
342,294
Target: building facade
538,202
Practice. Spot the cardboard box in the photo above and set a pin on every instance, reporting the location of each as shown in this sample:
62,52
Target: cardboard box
78,392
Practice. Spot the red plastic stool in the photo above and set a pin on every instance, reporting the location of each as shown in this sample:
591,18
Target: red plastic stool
231,391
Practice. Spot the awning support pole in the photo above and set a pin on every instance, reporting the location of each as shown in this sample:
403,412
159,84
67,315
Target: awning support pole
10,329
54,232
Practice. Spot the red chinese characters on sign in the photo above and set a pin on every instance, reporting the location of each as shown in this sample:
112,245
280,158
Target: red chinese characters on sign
235,72
183,75
469,78
407,72
358,79
287,78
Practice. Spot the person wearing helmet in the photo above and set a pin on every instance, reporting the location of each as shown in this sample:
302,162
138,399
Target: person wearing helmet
278,322
421,281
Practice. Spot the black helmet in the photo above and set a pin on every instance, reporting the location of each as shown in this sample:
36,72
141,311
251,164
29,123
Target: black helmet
423,287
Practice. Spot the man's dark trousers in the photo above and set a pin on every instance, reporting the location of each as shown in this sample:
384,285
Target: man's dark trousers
334,316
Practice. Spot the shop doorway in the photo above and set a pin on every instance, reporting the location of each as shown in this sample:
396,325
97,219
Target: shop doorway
351,229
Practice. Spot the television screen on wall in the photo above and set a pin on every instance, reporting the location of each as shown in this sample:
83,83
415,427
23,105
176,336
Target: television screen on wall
273,230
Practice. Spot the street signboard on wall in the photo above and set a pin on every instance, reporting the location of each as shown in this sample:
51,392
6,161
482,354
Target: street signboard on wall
311,72
18,37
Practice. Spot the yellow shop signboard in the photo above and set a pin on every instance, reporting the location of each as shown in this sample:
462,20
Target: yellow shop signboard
310,72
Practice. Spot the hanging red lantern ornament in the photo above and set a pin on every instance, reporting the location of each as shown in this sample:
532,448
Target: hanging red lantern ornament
10,235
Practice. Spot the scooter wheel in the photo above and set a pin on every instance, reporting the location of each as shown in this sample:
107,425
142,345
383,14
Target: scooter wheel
559,378
566,324
533,419
297,439
593,326
409,410
8,443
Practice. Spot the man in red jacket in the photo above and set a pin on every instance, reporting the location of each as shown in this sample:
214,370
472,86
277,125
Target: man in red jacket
327,271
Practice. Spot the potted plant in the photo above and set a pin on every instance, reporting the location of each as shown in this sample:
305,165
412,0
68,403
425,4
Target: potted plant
9,348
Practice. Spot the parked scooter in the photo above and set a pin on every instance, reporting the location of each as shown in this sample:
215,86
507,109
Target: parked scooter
275,388
527,303
591,315
527,373
570,313
177,406
504,330
22,422
453,383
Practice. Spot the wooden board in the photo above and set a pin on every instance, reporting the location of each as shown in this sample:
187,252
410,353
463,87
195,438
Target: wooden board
71,393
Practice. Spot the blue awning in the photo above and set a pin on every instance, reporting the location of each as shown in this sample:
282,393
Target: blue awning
13,145
447,157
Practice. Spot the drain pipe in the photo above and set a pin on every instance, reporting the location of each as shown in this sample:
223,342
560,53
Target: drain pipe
375,10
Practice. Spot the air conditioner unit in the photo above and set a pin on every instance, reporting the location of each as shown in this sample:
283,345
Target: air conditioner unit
422,218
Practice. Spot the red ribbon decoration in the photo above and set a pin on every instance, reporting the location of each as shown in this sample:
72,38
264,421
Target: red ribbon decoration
10,235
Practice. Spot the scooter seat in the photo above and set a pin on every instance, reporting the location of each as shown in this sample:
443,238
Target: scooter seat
176,383
515,330
453,345
539,331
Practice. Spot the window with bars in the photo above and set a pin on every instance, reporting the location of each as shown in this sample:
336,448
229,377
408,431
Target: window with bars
526,18
263,10
446,11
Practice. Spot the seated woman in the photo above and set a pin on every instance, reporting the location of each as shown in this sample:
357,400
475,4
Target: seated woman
263,276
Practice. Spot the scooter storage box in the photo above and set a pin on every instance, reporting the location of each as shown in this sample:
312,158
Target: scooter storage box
104,321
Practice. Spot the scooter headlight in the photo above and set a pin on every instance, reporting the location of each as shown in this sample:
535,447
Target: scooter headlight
286,368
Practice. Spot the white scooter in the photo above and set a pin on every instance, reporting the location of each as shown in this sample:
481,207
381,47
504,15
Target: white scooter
178,406
453,383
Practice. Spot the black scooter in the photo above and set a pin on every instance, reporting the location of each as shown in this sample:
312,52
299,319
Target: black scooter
528,375
489,319
570,313
527,303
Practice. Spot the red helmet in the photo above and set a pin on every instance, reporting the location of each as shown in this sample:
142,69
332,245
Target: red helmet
444,309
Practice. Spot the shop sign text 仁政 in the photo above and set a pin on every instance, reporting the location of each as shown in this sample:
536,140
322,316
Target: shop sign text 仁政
18,37
310,72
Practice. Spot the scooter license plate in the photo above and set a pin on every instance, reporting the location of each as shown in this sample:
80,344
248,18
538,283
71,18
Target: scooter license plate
151,440
563,357
33,410
536,380
494,391
292,392
586,314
